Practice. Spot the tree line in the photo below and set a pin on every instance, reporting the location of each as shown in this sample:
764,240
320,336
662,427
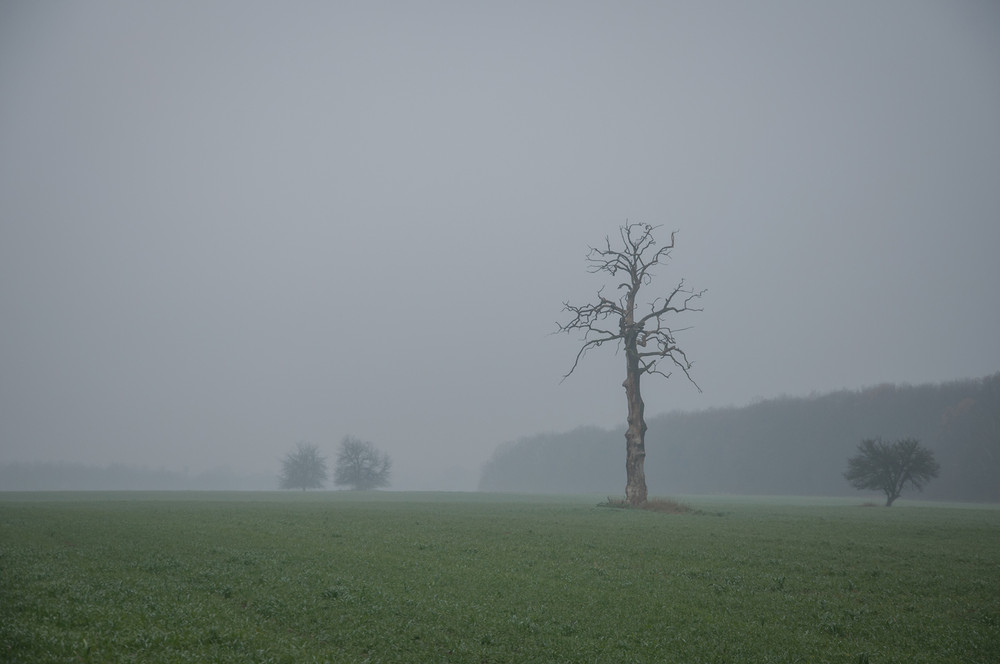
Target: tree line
786,445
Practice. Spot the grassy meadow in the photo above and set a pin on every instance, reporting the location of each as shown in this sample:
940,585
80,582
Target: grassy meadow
395,577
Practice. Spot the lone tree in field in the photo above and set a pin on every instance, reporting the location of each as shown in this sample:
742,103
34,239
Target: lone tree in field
643,331
889,467
361,466
303,468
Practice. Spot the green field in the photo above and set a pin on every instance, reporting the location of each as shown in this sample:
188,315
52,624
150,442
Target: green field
394,577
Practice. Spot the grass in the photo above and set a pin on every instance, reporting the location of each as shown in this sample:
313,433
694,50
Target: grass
386,577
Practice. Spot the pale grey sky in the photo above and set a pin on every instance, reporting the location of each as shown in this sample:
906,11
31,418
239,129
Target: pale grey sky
229,226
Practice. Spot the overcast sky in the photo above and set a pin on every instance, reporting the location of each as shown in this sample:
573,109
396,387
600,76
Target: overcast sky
226,227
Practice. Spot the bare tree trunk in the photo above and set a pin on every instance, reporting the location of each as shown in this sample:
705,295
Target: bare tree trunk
648,330
635,436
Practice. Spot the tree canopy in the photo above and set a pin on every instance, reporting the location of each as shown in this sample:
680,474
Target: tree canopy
889,467
303,468
361,466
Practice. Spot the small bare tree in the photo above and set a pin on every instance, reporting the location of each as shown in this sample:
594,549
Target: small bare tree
889,467
361,466
644,333
304,468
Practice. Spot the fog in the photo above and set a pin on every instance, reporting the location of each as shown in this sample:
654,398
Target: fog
226,227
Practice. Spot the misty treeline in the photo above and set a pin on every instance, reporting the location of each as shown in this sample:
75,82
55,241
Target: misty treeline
58,476
787,445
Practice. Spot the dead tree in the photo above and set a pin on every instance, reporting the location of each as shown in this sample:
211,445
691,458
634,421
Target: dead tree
644,333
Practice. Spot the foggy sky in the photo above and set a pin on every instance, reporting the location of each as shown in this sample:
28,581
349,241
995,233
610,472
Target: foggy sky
226,227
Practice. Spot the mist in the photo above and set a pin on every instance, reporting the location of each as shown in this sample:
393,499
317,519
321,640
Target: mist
226,227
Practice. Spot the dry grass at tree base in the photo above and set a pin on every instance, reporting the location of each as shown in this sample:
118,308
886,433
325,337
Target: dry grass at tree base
663,505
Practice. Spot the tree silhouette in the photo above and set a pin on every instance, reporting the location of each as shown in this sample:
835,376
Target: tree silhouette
644,333
889,467
361,466
303,468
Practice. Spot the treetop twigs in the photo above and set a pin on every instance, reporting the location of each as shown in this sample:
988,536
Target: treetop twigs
635,260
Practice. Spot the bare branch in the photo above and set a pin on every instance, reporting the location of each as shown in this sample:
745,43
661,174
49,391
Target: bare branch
586,317
636,257
656,312
589,318
591,343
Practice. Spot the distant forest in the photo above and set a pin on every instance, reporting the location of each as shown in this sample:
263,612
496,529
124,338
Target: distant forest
783,446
